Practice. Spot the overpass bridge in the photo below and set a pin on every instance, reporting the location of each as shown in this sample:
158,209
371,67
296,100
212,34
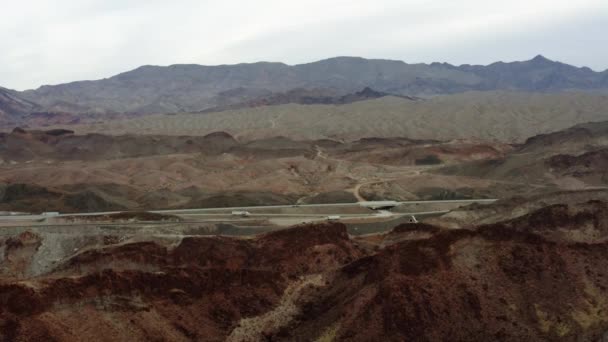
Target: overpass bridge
379,205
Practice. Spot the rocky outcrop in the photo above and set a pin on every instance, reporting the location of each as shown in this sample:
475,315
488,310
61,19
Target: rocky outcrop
494,283
220,279
584,164
308,97
508,281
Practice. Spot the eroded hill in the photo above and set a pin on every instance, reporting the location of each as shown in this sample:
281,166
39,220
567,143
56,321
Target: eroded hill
573,158
418,282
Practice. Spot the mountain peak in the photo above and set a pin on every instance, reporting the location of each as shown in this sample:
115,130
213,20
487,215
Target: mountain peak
541,59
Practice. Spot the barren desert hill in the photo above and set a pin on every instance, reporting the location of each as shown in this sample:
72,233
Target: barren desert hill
573,158
570,159
177,88
498,281
581,137
13,106
61,144
52,170
496,116
453,274
512,208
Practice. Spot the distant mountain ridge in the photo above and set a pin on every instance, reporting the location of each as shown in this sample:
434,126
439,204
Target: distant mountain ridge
190,88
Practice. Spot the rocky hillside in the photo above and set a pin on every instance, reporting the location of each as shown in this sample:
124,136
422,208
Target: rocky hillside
13,106
582,137
54,169
155,89
61,144
418,282
576,157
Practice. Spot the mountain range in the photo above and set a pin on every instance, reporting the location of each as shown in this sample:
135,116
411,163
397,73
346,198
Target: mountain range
192,88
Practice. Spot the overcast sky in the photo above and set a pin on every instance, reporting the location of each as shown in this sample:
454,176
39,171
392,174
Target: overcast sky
50,42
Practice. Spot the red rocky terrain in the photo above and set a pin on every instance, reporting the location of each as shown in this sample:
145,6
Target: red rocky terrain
541,276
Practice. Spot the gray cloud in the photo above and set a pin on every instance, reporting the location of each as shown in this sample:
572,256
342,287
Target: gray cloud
53,42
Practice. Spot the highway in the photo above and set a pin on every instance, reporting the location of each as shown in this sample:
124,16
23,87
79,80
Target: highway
220,214
178,211
167,223
170,211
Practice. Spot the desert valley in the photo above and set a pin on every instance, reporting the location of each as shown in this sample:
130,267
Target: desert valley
345,199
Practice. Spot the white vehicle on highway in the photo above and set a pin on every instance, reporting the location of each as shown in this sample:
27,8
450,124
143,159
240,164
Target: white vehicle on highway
242,213
333,217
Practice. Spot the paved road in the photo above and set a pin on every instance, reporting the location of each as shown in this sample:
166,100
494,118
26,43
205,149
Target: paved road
202,211
34,223
177,211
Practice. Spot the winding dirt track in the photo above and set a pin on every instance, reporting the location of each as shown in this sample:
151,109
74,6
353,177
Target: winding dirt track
356,190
